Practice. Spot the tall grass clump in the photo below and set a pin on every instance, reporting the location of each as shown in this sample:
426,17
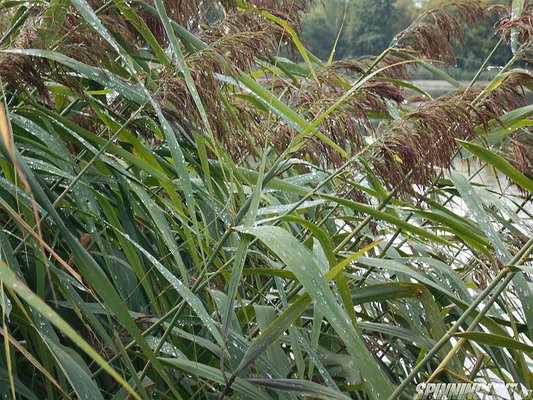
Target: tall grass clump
195,206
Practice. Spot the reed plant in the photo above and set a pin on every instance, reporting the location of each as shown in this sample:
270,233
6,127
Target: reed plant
195,206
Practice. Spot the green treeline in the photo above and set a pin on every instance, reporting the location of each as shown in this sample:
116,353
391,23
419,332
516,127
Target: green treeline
368,27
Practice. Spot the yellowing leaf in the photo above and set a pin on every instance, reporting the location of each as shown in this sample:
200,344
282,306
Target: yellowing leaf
5,132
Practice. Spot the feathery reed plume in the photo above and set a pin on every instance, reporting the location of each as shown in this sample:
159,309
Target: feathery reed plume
185,12
238,38
519,152
523,23
424,141
73,38
233,43
433,33
351,119
509,94
18,69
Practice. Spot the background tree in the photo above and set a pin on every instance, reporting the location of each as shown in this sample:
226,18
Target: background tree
368,27
479,39
377,23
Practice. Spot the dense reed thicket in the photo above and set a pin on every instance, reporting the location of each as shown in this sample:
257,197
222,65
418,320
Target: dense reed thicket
195,206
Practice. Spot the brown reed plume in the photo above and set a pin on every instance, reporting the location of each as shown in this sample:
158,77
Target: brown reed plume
519,152
351,120
524,24
434,33
187,13
233,44
424,141
73,38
